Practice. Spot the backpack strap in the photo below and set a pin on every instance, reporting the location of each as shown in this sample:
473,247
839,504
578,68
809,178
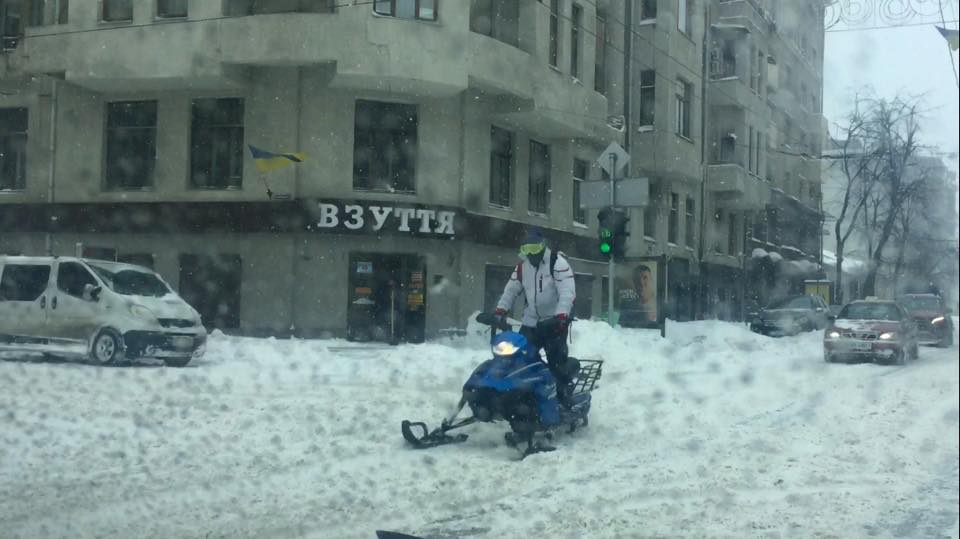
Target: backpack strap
520,272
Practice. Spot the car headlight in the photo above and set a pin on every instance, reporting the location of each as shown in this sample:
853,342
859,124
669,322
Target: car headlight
887,336
937,320
141,312
834,334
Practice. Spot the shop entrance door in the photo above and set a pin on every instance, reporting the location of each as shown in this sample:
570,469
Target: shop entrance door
387,298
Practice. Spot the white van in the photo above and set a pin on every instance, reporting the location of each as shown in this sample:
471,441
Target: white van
105,311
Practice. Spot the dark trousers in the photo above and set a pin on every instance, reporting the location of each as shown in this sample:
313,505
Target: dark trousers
554,343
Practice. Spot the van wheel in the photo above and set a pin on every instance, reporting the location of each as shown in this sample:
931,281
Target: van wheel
107,348
177,361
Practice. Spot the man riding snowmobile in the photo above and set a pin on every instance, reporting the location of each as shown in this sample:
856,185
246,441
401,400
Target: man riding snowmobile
545,278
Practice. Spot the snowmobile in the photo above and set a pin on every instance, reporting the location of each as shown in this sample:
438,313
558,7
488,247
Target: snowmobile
515,386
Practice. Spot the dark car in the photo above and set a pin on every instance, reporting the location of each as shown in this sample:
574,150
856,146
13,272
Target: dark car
791,315
932,317
874,330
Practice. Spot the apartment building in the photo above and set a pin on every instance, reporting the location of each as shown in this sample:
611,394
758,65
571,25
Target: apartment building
435,133
726,122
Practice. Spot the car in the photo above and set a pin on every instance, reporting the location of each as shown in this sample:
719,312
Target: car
791,315
932,317
872,329
107,312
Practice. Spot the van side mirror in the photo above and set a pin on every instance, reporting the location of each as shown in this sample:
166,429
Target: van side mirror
831,317
91,292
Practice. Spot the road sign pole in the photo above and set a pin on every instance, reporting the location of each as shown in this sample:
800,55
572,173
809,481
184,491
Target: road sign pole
610,262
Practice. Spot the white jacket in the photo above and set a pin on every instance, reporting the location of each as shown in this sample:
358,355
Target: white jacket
547,293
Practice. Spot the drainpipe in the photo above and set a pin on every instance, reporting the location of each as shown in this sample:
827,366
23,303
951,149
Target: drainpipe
704,77
627,82
52,169
294,263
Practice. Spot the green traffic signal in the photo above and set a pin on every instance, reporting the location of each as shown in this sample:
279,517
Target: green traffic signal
605,248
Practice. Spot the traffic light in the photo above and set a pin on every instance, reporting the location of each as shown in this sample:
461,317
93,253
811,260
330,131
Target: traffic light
612,233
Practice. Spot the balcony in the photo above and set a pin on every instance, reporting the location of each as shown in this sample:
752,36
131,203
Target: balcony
733,92
735,188
742,14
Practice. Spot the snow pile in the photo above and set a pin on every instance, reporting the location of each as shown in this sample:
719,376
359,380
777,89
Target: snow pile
713,431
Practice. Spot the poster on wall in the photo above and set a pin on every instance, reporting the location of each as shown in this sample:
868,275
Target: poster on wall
640,293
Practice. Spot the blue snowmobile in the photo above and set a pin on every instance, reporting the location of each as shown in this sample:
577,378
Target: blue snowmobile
515,386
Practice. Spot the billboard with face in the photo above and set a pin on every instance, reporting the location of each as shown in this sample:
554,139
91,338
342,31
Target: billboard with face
639,294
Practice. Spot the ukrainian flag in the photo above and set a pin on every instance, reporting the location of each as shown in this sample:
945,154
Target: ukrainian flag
952,37
267,161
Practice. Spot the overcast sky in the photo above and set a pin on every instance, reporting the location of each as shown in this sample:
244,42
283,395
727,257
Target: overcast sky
910,60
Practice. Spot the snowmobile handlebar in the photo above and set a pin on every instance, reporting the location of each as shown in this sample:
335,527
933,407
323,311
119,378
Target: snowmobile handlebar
501,323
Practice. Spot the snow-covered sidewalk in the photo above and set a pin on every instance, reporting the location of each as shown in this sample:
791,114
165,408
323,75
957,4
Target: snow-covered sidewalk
712,432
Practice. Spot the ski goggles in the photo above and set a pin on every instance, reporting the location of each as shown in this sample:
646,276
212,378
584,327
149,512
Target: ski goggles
531,248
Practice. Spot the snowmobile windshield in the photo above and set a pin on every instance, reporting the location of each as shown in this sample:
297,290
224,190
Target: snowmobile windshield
130,281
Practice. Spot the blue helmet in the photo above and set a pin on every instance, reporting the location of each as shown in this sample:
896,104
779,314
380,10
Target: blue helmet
509,344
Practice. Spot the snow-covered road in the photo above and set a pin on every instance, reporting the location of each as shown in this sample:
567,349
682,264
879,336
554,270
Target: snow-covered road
712,432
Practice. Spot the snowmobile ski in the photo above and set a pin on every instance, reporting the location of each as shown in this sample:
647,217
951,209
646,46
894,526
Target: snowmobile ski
438,436
394,535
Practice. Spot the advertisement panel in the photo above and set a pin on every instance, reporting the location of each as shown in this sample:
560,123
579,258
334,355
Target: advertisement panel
640,293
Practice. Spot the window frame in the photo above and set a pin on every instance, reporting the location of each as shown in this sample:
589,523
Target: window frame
157,12
648,98
600,53
234,128
579,214
553,50
538,187
732,234
496,185
46,286
648,10
576,32
417,9
673,222
103,10
69,264
369,139
16,139
112,182
684,99
690,222
684,8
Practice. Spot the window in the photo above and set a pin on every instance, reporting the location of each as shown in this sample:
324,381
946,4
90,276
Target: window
554,32
131,144
73,277
36,11
539,187
576,19
648,9
750,149
501,166
116,10
580,172
13,148
674,221
691,223
212,284
583,306
425,10
648,96
216,143
731,234
260,7
21,282
684,11
499,19
99,253
759,146
384,146
600,61
169,9
650,216
684,96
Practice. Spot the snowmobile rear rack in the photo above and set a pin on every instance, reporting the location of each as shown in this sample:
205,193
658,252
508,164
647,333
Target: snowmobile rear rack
590,371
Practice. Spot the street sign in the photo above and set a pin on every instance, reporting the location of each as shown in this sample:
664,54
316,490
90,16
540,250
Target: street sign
621,161
631,193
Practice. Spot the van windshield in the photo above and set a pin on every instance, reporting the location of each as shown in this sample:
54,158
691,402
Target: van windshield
131,282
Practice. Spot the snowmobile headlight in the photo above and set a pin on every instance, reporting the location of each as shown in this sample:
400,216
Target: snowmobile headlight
887,336
834,334
505,348
937,320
